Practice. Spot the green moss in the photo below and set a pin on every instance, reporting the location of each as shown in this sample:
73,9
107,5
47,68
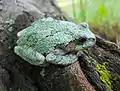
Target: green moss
105,75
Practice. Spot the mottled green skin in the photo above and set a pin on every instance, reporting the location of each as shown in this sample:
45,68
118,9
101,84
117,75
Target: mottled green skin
43,37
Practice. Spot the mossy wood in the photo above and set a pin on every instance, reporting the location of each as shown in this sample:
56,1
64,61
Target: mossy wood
98,68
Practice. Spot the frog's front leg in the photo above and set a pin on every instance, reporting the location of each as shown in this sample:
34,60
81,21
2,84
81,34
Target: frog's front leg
85,45
61,58
30,55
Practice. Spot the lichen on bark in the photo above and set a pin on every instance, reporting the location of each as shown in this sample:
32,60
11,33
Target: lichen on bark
105,75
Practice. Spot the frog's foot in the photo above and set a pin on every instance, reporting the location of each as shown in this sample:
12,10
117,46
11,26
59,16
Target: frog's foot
30,55
61,59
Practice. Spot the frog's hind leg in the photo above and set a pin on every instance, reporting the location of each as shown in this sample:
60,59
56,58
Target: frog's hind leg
30,55
59,59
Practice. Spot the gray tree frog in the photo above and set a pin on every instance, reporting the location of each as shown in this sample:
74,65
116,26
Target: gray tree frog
52,41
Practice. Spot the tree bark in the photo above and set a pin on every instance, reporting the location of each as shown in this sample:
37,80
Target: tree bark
84,75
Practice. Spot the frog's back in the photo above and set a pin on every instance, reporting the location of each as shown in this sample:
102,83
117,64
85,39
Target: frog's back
42,43
49,43
52,24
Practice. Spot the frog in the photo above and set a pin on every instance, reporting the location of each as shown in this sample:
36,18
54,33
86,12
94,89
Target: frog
50,41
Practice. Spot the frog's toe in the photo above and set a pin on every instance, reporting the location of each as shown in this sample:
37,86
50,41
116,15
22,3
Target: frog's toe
20,33
40,58
51,58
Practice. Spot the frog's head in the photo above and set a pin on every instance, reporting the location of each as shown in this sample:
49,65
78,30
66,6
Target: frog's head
86,34
87,38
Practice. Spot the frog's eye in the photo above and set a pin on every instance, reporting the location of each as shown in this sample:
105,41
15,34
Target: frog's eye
83,39
84,25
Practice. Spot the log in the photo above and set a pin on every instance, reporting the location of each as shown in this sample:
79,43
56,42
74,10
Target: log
70,78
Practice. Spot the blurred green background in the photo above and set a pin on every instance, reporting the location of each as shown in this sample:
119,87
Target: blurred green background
102,15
